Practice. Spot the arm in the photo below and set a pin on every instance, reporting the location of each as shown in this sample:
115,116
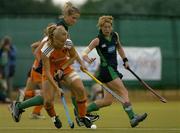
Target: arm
94,43
35,45
46,65
121,52
73,56
79,60
37,52
69,44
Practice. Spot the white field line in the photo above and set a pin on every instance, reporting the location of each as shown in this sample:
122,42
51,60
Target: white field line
135,129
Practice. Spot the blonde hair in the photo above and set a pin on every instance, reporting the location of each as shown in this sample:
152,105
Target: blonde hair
53,32
104,19
50,31
45,30
69,9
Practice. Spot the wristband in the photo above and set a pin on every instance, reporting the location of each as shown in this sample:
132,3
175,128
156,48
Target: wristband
125,60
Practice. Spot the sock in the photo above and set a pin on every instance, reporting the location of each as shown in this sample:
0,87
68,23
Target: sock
50,110
37,110
81,108
37,100
53,118
128,109
74,102
20,96
92,107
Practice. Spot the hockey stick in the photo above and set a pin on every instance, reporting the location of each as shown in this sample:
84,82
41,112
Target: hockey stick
162,99
120,99
70,122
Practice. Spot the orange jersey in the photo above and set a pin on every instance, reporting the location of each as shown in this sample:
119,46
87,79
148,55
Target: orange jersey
57,58
38,51
36,63
35,76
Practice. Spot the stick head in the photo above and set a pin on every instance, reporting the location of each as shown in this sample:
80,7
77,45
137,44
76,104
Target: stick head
71,124
163,100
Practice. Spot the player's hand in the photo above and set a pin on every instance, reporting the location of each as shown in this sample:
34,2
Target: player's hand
58,75
126,65
83,66
88,60
60,92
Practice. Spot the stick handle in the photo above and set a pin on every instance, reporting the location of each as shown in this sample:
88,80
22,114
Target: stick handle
119,98
90,75
70,122
62,98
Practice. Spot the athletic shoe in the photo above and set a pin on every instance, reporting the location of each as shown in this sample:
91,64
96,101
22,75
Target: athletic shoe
36,116
137,118
15,111
86,121
57,122
93,117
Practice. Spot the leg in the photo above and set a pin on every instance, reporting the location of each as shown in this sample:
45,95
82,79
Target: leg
28,92
73,99
73,95
48,94
100,103
17,108
77,89
36,113
80,95
76,84
32,89
118,86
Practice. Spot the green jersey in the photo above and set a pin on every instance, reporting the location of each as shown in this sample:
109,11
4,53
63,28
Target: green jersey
62,22
107,50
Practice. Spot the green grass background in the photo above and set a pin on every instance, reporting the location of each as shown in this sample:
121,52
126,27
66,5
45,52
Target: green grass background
162,118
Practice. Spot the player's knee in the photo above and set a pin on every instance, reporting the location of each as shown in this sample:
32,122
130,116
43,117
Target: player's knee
80,92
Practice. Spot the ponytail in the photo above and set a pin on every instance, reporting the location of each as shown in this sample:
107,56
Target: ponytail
69,9
50,31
